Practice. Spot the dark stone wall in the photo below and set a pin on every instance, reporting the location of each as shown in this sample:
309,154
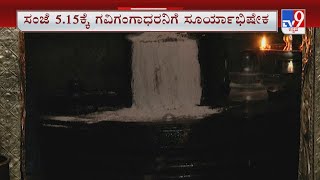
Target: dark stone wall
99,63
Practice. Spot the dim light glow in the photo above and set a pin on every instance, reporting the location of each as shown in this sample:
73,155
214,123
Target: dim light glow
290,67
264,44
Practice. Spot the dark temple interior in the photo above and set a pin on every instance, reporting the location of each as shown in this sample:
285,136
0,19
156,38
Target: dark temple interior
255,136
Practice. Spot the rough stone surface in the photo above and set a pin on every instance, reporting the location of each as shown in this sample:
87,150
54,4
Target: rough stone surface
317,105
10,126
306,164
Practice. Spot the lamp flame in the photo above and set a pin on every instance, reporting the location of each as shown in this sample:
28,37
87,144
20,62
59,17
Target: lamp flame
264,44
288,40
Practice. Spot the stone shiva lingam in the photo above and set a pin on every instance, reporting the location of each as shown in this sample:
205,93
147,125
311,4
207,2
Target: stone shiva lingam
265,71
246,85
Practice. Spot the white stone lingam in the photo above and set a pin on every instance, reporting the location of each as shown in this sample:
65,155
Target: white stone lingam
165,71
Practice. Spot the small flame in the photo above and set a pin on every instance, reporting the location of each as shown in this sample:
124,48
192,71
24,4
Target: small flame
290,67
288,40
264,44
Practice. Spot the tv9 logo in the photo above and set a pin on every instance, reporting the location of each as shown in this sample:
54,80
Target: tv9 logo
293,21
